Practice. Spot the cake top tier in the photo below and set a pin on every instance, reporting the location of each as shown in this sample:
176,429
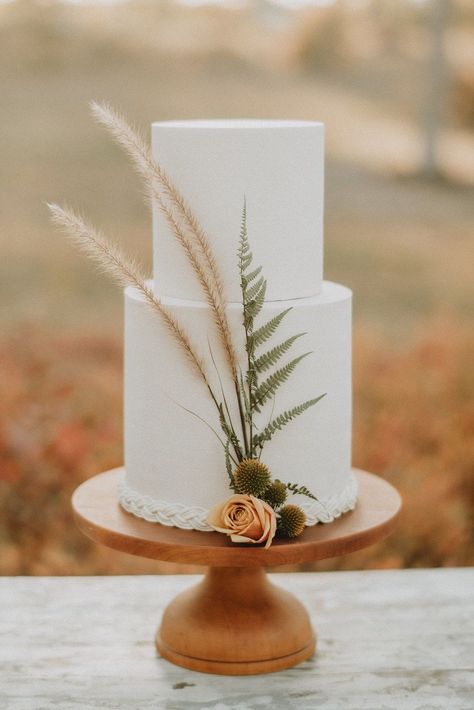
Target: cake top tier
278,167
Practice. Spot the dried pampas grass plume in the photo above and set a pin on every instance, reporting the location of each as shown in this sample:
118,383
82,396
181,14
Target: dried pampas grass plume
123,270
182,222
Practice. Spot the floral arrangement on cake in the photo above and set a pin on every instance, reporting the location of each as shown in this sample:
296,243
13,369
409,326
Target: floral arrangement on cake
257,510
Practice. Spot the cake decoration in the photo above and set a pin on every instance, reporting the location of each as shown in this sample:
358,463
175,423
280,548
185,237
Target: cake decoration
245,518
242,373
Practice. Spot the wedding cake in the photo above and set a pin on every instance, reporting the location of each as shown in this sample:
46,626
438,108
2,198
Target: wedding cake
174,459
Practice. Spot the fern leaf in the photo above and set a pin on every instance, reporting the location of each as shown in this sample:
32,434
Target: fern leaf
262,334
255,306
243,389
283,419
243,223
244,247
252,275
246,261
300,490
271,357
251,378
253,290
269,386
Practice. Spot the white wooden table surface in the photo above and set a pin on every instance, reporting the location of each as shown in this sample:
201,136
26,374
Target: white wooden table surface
387,640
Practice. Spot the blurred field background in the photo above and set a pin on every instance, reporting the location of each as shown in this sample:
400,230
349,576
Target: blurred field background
394,82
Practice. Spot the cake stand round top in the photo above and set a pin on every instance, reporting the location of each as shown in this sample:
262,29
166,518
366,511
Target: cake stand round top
99,515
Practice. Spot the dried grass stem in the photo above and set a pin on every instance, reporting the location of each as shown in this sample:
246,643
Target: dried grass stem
125,271
182,222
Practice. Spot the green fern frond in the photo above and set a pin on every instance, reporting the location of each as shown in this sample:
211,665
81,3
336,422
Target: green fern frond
244,247
253,275
243,252
300,490
283,419
243,225
253,284
246,261
271,357
251,293
256,305
252,393
269,386
265,331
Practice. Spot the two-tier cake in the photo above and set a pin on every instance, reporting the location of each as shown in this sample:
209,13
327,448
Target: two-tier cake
174,463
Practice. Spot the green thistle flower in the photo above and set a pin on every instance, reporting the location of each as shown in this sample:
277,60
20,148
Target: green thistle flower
252,477
291,521
276,494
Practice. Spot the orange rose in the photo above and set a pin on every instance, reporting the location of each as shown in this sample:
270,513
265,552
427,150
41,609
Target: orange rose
245,518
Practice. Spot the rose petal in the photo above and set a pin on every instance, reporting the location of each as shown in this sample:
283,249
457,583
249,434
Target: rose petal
272,531
239,515
238,524
242,538
269,520
254,530
214,516
259,509
245,519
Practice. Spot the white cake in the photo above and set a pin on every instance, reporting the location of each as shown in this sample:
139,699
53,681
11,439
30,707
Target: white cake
174,463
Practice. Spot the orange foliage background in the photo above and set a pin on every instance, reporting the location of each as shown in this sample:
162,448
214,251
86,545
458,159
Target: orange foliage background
61,422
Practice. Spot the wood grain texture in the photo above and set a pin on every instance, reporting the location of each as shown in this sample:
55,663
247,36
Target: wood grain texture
98,515
235,622
386,639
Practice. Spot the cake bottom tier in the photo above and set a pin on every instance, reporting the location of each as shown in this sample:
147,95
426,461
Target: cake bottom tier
175,466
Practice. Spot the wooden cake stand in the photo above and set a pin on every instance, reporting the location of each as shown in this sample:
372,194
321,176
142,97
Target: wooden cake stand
235,621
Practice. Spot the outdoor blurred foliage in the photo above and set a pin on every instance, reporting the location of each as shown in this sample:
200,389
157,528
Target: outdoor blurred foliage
394,82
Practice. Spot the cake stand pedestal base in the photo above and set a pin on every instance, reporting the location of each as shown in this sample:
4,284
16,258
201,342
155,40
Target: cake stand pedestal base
235,621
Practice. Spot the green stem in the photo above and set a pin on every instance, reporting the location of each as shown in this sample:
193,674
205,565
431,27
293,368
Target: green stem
251,375
242,416
250,371
224,399
237,449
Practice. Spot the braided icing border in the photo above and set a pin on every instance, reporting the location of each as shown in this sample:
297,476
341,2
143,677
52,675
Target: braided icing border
194,517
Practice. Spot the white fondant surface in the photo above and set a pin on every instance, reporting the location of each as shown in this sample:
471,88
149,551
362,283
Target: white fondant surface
279,167
172,456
